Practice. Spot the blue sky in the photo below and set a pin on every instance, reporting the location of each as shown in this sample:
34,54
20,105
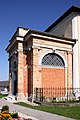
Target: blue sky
35,14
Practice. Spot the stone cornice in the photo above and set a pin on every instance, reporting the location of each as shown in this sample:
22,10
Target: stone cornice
49,36
16,39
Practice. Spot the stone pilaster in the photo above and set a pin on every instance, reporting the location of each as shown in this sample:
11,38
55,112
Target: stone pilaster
70,82
20,92
10,84
68,72
36,69
25,75
10,77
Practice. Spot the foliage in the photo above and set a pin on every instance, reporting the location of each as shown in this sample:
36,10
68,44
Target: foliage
5,115
4,108
1,96
14,115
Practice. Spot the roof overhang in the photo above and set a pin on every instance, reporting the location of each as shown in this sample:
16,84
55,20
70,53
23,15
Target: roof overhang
48,36
17,37
12,43
39,35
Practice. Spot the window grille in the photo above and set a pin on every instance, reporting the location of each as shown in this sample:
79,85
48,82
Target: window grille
53,59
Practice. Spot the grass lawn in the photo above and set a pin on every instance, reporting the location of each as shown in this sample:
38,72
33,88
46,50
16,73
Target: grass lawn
71,112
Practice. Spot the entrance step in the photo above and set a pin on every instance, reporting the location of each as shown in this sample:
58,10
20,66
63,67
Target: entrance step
10,98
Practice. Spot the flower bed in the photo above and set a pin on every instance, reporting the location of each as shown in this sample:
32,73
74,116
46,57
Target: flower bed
22,116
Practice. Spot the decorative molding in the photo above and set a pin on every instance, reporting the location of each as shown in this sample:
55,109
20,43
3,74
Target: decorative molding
51,51
50,46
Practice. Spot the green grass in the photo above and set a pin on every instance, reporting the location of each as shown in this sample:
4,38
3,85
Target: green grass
70,101
71,112
1,96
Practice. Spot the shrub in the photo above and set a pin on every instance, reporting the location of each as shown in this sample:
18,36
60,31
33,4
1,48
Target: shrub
5,115
14,115
5,108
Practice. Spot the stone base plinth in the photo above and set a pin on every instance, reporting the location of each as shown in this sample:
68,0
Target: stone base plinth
21,97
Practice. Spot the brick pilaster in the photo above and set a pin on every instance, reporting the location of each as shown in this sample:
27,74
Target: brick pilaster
20,94
36,69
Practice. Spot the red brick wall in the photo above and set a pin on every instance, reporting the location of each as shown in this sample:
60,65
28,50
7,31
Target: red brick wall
53,77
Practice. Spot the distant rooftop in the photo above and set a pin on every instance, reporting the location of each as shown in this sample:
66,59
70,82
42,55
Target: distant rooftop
4,83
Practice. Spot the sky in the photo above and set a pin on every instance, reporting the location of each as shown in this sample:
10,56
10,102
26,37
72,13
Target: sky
34,14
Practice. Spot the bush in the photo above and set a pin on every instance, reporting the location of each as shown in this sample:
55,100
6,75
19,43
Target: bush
14,115
5,115
5,108
1,96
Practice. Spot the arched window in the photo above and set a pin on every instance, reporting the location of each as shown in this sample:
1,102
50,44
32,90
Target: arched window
53,59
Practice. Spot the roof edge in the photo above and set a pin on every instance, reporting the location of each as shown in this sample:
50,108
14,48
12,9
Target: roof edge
48,34
69,11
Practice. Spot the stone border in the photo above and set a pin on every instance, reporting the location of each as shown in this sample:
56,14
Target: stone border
26,116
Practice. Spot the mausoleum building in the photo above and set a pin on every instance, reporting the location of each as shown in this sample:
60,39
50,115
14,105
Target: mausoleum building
49,59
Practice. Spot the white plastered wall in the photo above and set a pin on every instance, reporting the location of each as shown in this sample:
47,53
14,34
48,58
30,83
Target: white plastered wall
75,53
79,45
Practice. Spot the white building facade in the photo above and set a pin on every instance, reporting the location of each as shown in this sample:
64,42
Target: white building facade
68,25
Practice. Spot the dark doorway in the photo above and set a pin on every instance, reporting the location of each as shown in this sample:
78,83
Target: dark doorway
15,84
29,82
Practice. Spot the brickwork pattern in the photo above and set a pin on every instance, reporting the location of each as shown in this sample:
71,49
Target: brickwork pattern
31,74
53,77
